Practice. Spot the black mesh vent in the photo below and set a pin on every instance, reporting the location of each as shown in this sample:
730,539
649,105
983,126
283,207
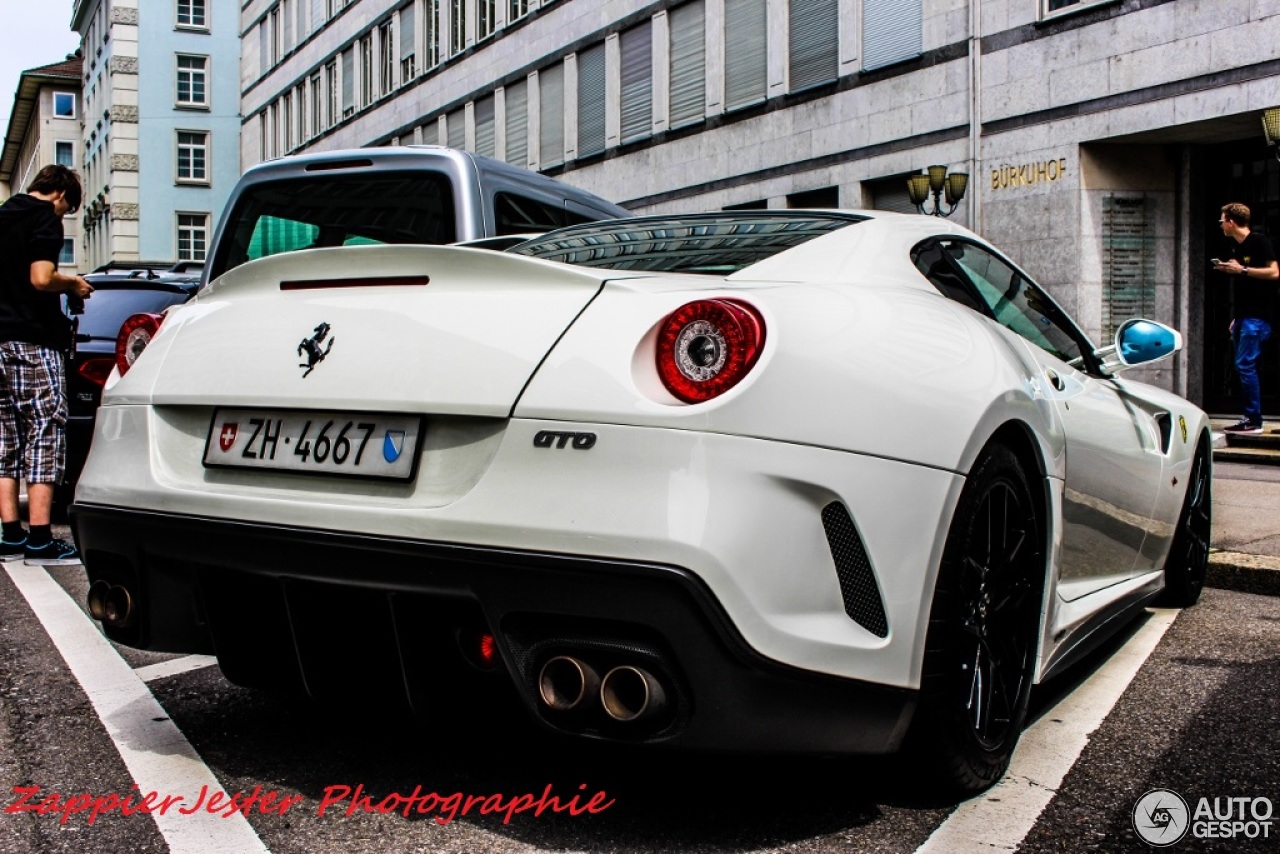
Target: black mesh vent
857,583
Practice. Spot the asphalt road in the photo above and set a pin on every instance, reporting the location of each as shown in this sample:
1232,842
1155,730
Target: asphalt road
1199,719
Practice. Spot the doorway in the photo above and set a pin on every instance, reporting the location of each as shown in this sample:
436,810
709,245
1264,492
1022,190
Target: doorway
1246,171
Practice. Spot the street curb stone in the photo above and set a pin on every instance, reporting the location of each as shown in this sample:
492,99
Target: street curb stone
1245,573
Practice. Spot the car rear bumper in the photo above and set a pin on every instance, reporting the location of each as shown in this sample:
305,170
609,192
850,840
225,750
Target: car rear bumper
341,615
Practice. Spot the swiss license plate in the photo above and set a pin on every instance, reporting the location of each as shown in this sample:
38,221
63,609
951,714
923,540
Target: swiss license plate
363,444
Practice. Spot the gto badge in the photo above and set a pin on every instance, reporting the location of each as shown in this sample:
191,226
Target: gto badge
310,347
561,439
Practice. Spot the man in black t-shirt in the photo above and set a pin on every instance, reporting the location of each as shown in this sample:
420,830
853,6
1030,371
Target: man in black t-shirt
34,333
1251,259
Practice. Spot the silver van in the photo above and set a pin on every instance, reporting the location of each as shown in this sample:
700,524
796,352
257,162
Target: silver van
416,194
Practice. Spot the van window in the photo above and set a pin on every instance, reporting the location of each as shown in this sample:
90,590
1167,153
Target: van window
516,214
316,211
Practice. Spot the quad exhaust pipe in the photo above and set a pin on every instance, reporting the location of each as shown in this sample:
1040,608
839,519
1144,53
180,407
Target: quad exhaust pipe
111,604
631,694
566,683
627,694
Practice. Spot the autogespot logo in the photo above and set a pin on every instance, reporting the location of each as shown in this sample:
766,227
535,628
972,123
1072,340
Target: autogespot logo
1161,817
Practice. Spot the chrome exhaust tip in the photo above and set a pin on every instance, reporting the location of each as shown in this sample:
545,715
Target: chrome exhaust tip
110,604
631,694
565,683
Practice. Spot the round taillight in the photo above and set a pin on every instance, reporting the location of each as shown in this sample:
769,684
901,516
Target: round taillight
706,347
135,334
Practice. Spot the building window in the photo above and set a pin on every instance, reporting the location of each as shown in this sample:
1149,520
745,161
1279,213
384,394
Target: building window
892,32
348,82
386,60
333,104
68,254
300,103
64,105
316,103
455,125
813,44
591,98
366,71
636,46
287,13
408,57
192,74
193,157
518,123
64,153
745,69
457,26
191,13
551,115
486,122
1051,6
286,122
430,33
517,9
193,236
486,18
688,63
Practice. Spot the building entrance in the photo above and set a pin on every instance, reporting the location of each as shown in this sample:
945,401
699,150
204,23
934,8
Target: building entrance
1248,172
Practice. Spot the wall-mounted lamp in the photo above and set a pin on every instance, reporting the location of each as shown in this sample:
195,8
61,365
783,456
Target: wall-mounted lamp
1271,129
942,187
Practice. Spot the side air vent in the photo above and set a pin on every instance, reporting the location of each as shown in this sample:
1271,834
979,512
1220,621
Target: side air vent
857,582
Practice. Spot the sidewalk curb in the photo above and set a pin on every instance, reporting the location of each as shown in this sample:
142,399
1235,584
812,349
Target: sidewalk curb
1245,573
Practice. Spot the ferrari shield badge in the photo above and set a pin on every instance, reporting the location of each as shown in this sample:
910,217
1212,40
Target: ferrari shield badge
392,445
1182,425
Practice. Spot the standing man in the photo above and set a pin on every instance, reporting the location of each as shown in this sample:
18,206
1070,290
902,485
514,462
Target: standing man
1252,260
34,333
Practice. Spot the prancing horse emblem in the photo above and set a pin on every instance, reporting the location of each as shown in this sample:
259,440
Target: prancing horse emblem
311,348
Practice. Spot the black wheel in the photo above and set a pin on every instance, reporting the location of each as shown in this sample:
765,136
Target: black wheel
983,629
1188,560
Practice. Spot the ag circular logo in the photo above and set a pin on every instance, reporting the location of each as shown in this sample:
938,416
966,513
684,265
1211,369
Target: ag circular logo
1161,817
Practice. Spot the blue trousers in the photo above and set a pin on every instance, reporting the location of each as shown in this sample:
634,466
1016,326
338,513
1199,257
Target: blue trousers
1248,335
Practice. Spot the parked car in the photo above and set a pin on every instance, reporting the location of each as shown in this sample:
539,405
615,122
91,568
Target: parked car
802,481
117,296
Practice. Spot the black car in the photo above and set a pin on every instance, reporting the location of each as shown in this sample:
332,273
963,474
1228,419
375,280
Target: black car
117,296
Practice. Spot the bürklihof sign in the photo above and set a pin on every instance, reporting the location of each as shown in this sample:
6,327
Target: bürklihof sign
1006,177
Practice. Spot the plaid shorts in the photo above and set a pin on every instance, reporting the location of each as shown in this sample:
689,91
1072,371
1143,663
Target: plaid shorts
33,413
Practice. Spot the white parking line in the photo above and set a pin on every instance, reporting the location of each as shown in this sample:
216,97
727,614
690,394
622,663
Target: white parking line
174,666
157,754
1002,816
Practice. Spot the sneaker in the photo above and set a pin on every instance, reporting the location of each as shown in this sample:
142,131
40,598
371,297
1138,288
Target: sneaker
52,553
1244,427
12,551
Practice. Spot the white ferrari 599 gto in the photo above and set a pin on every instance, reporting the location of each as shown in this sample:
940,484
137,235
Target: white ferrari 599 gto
804,481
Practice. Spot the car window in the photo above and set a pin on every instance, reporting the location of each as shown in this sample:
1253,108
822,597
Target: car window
1016,302
320,210
518,214
109,307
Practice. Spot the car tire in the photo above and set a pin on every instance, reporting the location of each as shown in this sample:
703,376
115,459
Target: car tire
984,626
1188,561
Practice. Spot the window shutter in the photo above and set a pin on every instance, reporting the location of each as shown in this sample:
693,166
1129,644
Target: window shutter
348,79
591,101
744,38
264,46
814,42
317,14
637,82
551,113
485,128
688,63
456,128
518,123
406,31
891,32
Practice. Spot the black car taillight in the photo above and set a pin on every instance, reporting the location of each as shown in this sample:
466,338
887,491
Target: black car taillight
96,369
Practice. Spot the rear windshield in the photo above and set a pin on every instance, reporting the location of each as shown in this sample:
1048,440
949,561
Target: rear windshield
321,210
108,307
714,244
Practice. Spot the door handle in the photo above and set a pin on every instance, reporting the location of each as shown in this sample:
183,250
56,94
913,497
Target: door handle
1054,379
